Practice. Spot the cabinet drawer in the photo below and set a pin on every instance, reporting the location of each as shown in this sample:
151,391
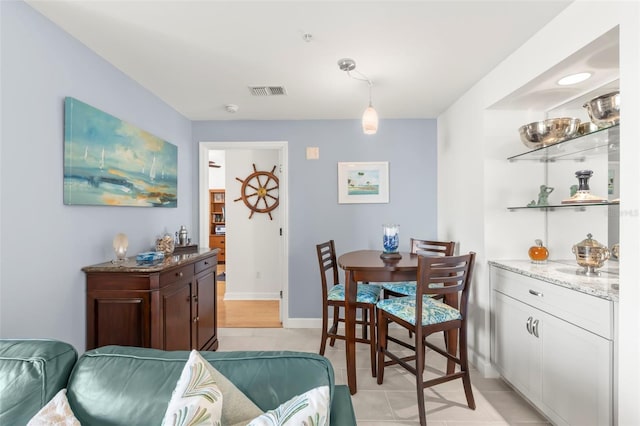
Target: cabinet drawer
217,242
589,312
204,264
175,275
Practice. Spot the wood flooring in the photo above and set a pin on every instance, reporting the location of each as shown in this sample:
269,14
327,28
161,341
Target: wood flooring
246,313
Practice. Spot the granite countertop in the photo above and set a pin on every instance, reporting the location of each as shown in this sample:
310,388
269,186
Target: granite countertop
563,273
130,264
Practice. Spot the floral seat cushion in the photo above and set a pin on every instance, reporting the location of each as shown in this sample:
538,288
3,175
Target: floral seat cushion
433,312
408,288
367,293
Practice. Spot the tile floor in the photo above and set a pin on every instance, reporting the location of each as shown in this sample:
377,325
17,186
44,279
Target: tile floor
393,403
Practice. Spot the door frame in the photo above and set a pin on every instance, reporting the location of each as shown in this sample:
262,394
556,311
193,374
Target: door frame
203,197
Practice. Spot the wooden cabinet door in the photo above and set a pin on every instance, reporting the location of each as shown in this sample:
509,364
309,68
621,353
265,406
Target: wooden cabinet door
117,318
206,305
177,318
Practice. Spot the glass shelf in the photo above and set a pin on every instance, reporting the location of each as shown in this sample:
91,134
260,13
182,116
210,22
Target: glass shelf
563,206
575,149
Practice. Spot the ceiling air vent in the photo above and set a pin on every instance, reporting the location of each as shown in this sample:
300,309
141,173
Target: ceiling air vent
267,90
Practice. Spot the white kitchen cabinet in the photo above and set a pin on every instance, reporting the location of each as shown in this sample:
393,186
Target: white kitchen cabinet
555,346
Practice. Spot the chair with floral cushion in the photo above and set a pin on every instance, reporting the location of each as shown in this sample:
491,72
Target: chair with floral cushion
433,248
423,316
333,296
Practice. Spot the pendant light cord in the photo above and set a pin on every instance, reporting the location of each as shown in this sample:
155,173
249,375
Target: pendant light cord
364,78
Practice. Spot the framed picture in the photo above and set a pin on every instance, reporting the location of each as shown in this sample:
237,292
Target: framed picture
363,182
109,162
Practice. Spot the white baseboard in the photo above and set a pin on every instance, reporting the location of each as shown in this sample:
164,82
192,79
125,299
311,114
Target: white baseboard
484,367
229,295
302,323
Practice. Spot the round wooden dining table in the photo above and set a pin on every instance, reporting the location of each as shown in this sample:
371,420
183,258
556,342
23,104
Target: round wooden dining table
368,266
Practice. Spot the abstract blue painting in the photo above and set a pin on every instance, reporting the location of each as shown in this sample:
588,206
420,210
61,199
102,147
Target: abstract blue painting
109,162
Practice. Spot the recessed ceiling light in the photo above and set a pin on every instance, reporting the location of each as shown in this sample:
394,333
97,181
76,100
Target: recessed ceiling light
574,78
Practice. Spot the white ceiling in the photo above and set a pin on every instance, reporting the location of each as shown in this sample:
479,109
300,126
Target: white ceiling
198,56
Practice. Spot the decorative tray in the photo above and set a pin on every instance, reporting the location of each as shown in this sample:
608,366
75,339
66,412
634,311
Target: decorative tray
150,258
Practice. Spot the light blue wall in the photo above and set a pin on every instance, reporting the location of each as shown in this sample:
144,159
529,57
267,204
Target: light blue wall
43,243
314,213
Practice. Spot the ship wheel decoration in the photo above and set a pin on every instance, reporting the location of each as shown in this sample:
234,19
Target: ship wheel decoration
259,191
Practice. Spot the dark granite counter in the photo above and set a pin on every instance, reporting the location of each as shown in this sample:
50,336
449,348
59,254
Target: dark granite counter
130,264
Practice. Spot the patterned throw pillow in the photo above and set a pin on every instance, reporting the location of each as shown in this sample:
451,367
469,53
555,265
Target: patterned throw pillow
196,400
311,409
56,412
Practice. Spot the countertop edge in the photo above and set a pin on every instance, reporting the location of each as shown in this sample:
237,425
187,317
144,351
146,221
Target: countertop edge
130,265
601,287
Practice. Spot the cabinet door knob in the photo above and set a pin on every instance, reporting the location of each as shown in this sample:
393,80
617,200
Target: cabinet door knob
206,263
529,320
534,328
179,274
196,319
536,293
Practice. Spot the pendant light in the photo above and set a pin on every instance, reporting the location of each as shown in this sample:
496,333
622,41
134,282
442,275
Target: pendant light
370,116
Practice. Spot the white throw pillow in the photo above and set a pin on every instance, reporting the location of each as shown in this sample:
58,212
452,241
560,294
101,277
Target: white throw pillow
310,408
196,400
57,412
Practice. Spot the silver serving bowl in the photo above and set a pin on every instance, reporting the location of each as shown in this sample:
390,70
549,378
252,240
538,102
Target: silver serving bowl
591,255
604,110
547,132
587,127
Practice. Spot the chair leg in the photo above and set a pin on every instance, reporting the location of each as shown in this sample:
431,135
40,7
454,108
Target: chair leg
372,339
365,322
325,324
334,327
382,327
420,355
464,366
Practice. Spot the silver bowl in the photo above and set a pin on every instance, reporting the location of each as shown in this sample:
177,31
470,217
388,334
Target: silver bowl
547,132
586,127
604,110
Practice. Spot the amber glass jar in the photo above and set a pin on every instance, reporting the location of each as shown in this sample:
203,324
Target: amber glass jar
538,253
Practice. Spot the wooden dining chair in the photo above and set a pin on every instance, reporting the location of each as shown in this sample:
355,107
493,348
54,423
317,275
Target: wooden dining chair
423,315
333,296
433,248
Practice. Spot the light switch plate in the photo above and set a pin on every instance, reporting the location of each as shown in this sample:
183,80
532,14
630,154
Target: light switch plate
313,153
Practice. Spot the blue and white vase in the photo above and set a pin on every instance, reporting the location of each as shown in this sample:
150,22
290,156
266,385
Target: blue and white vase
390,238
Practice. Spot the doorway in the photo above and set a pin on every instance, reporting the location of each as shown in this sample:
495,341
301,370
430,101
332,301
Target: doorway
256,252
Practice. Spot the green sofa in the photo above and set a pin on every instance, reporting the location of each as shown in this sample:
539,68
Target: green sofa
118,385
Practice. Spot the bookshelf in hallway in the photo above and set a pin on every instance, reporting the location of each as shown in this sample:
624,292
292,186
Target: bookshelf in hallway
217,227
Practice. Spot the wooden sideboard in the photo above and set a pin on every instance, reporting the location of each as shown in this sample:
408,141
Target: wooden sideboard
169,306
